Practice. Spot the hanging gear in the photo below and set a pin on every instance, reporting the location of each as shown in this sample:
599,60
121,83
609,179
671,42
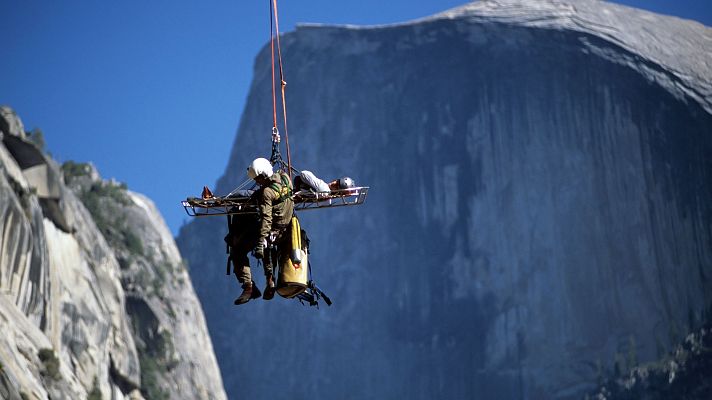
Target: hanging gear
276,157
228,240
293,276
313,294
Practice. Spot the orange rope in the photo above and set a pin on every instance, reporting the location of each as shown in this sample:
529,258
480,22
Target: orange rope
274,94
282,82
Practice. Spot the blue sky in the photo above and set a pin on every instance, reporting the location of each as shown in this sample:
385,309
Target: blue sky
151,92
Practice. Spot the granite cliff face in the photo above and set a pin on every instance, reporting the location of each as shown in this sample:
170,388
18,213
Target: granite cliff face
94,299
541,177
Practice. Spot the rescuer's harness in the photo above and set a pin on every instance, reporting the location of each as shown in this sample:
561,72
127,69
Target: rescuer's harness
283,189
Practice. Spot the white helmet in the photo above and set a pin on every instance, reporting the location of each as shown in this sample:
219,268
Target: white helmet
259,167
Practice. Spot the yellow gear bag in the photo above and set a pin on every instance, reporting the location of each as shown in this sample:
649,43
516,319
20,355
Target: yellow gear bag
293,271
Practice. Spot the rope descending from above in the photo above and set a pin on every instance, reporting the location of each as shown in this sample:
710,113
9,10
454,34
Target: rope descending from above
276,157
274,16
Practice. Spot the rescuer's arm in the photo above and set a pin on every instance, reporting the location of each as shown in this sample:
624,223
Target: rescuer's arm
265,221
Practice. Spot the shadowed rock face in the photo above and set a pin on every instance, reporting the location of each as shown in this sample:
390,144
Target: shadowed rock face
539,208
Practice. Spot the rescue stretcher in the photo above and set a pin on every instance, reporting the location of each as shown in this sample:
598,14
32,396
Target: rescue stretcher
303,200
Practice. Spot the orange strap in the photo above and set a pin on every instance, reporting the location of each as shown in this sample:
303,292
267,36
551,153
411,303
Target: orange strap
283,83
274,94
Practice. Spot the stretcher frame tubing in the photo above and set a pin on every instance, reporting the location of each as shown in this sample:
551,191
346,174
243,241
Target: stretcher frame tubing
303,200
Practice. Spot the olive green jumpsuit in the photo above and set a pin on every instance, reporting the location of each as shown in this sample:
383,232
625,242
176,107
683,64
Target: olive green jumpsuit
275,212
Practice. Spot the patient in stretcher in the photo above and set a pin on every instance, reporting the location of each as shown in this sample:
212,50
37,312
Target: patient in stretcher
306,182
309,182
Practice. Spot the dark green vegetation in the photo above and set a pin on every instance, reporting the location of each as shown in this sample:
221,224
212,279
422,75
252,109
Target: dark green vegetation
109,205
150,370
72,170
104,201
95,393
50,362
36,136
155,361
681,374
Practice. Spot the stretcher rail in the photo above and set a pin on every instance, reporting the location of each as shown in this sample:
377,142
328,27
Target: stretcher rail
303,200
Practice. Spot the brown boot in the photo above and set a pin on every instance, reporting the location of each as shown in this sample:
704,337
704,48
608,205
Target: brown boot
249,292
269,288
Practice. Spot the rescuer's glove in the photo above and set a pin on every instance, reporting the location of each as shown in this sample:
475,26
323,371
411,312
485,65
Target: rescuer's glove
259,252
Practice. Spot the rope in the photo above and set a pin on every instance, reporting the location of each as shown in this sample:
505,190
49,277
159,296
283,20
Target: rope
283,83
276,157
242,185
274,91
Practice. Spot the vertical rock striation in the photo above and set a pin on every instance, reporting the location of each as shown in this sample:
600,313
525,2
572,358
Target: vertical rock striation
63,306
541,174
94,297
175,351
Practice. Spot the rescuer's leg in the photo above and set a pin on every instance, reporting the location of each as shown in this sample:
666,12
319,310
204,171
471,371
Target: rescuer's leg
269,261
241,266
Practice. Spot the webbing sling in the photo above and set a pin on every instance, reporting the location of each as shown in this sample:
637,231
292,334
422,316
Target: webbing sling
283,189
227,248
